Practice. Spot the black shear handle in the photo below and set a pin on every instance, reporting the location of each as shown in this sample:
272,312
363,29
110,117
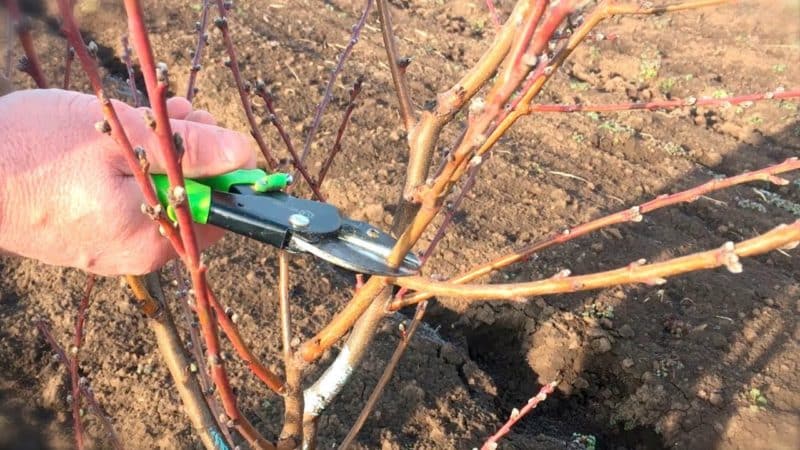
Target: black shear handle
231,212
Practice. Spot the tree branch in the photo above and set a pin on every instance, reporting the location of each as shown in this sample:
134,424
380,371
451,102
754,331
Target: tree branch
397,66
633,214
781,237
292,434
31,64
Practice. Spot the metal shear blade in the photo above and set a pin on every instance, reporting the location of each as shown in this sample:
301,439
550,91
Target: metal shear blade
360,248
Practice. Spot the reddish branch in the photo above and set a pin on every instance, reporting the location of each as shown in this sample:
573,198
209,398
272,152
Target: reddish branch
518,414
84,387
231,331
70,29
30,64
197,349
337,145
778,94
493,14
156,81
202,40
77,342
221,22
261,91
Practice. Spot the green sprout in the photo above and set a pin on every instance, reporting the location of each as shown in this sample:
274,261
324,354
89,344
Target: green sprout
598,311
649,66
720,93
587,441
757,399
666,85
779,68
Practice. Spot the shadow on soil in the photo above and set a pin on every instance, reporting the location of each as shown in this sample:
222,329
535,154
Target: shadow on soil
681,352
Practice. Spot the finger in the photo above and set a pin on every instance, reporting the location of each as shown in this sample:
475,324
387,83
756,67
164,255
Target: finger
207,235
178,108
201,116
208,150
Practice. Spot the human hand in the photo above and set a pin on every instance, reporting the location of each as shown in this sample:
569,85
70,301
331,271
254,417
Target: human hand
67,196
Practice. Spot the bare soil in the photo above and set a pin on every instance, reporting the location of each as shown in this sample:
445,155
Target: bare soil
709,360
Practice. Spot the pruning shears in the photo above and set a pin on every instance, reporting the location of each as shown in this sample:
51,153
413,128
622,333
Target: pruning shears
252,203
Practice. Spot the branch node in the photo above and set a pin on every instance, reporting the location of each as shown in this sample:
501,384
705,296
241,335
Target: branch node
636,214
221,23
176,196
562,274
153,212
729,258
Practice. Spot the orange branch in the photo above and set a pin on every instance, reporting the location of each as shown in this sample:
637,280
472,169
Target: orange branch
633,214
781,237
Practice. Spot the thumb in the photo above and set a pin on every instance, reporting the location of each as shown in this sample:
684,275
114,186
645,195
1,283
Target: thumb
208,150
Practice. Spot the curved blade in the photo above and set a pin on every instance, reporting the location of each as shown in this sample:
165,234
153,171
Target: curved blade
359,247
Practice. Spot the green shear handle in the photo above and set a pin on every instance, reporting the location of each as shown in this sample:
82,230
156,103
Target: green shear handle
198,191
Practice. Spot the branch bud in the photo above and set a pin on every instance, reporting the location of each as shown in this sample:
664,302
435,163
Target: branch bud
92,48
177,195
221,23
177,139
153,212
149,119
162,73
103,126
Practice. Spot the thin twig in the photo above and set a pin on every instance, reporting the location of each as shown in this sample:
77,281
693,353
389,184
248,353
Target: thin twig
326,96
202,39
77,342
518,414
493,14
272,381
8,56
69,56
86,390
422,140
292,434
126,56
388,371
261,91
777,94
22,26
397,67
337,144
244,95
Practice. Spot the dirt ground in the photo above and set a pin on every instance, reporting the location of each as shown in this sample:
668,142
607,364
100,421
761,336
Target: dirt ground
708,360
